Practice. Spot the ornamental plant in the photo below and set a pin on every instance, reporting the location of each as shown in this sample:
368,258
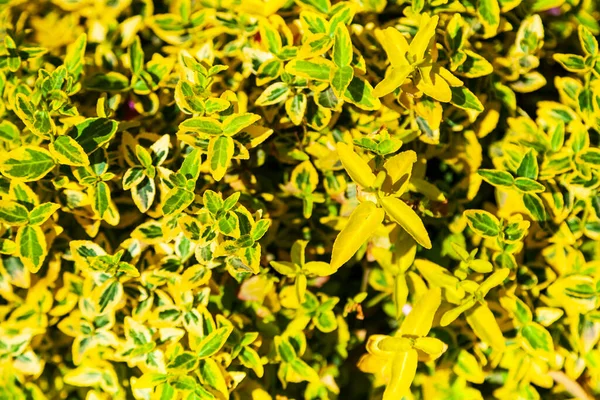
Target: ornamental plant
299,199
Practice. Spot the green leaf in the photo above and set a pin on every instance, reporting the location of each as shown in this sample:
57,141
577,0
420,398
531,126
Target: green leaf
275,93
220,152
93,133
190,169
360,93
143,194
206,125
571,62
295,108
183,362
13,213
238,122
529,185
14,61
591,156
497,178
74,60
483,223
41,213
489,14
529,166
212,343
538,339
342,47
101,199
340,79
557,139
323,6
27,163
109,82
177,200
68,152
318,69
589,44
110,295
31,245
136,56
363,222
535,206
465,99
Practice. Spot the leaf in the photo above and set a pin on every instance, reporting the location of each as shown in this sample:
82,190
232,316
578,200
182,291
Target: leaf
109,82
591,156
361,94
236,123
483,322
529,166
109,295
275,93
363,222
419,321
538,339
529,185
41,213
342,47
212,343
220,152
535,206
571,62
404,216
489,14
340,79
318,69
295,108
465,99
588,42
206,125
68,152
74,59
497,178
13,213
31,245
136,56
322,6
27,163
404,369
93,133
143,194
421,41
177,200
357,168
483,223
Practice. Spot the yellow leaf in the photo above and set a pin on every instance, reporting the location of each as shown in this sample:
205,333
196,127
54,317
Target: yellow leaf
404,216
394,44
399,170
419,320
434,86
363,222
357,168
404,368
422,39
394,78
483,322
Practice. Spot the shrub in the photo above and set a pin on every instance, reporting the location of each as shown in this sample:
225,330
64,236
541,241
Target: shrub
299,199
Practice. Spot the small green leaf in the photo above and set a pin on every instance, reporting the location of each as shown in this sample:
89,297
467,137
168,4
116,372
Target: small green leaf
27,163
93,133
483,223
535,206
68,152
109,82
529,185
41,213
497,178
31,245
220,152
177,200
465,99
212,343
13,213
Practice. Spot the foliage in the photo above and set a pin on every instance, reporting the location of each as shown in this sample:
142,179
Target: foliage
299,199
